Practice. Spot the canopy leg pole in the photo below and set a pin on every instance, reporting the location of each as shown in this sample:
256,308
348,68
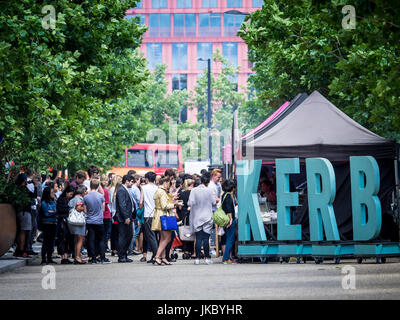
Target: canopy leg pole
397,193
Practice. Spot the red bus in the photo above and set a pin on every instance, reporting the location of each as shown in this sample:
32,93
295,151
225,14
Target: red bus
144,157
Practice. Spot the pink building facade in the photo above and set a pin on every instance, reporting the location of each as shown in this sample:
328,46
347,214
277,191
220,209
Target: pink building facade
182,31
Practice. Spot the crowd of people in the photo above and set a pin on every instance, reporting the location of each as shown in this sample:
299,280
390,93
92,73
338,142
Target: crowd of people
92,215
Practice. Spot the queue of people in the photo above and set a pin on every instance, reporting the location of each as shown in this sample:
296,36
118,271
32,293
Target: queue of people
87,218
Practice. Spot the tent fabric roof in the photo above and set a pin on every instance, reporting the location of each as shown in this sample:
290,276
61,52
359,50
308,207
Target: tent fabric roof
317,128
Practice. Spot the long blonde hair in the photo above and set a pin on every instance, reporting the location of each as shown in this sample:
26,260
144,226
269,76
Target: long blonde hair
116,183
103,180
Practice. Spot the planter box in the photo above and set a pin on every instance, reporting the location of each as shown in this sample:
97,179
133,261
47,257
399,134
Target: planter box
8,227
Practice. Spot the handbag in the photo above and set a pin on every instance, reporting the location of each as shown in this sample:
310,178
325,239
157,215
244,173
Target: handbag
168,223
76,218
185,234
220,217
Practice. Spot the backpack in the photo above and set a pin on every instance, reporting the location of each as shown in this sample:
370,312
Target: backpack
220,217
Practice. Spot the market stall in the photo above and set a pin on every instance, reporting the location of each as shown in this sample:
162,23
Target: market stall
312,127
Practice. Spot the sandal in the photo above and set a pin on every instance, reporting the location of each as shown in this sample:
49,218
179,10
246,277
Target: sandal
166,262
143,259
156,259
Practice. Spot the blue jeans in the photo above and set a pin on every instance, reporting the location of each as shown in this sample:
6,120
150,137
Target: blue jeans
230,240
202,239
107,231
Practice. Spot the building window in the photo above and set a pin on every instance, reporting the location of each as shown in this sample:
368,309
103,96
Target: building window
258,3
234,3
159,4
230,52
154,55
183,114
234,81
184,24
204,51
209,3
232,23
179,81
179,56
160,25
182,4
209,24
139,5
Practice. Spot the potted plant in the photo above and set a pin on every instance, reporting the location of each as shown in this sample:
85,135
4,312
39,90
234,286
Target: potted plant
12,199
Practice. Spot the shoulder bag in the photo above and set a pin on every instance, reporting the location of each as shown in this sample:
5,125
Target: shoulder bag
76,218
220,217
184,232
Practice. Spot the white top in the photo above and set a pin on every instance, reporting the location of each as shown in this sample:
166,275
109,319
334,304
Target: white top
216,192
148,199
112,204
86,183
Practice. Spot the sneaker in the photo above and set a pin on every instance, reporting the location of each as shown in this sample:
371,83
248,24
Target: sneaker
197,261
208,261
213,253
23,255
229,261
105,261
93,261
32,253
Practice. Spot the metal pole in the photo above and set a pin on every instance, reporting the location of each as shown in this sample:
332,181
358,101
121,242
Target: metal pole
209,110
397,195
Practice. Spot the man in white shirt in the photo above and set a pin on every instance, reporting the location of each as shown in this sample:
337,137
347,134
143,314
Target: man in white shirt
216,175
93,173
147,201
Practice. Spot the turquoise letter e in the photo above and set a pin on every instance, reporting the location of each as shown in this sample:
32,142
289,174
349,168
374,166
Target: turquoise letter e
286,199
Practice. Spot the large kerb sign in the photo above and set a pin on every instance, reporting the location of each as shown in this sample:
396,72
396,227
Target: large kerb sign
321,191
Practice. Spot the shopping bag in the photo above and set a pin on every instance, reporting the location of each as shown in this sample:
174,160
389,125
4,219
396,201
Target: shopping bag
176,242
168,223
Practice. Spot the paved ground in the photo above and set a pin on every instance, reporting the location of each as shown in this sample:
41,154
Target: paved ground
184,280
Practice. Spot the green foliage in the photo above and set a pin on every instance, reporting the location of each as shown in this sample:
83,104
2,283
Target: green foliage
301,46
10,192
63,92
224,92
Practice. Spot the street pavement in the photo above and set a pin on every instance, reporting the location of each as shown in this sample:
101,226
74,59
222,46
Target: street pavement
186,281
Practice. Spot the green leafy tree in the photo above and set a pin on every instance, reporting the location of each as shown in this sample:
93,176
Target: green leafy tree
63,91
301,46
